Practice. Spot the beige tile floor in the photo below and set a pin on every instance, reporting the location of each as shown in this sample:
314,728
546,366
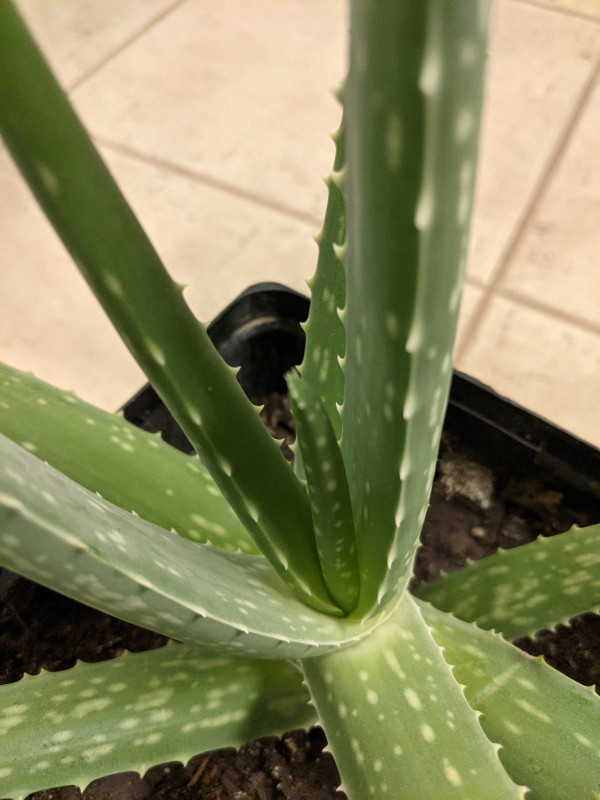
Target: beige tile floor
214,115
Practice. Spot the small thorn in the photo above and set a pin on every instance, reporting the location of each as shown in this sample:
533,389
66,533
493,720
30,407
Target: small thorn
338,177
338,91
340,250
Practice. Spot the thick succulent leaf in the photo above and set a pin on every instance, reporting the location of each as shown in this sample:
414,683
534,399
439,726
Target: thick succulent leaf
548,725
325,337
127,466
88,211
412,108
328,492
397,721
520,591
57,533
68,728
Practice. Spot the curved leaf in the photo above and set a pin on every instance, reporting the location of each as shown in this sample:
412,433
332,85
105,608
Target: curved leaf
88,211
57,533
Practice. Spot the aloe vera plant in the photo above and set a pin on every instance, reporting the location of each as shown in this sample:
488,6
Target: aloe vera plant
288,587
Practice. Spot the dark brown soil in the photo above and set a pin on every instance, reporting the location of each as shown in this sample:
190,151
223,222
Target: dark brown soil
472,513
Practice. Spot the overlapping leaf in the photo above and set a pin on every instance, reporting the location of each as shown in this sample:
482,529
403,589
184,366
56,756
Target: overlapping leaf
398,722
57,533
411,147
127,466
547,724
90,214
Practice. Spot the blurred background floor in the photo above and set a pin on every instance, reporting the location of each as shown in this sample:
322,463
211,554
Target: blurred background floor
214,117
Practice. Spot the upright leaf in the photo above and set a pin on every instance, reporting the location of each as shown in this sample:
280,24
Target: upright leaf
81,199
412,108
328,492
325,338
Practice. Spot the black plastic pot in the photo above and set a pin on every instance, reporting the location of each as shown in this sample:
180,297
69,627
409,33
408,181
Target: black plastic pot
261,331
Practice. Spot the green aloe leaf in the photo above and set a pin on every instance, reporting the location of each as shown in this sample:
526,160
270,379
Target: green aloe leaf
328,492
547,724
57,533
398,723
127,466
520,591
325,337
411,147
68,728
88,211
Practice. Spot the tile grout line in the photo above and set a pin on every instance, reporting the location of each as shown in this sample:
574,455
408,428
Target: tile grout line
208,180
122,46
502,264
542,308
567,12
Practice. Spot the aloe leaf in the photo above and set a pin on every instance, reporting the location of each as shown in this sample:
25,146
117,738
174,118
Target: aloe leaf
81,199
547,724
412,106
57,533
325,337
520,591
397,722
139,710
328,493
127,466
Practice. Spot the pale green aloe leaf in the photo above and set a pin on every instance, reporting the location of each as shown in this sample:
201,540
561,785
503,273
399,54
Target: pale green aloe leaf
127,466
520,591
328,492
81,199
397,721
325,337
412,105
547,724
68,728
57,533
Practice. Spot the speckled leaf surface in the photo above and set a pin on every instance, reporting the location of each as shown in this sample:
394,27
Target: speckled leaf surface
68,728
328,492
520,591
325,337
57,533
398,723
412,105
88,211
127,466
548,725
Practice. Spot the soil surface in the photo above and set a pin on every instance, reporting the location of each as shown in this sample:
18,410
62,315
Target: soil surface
472,513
